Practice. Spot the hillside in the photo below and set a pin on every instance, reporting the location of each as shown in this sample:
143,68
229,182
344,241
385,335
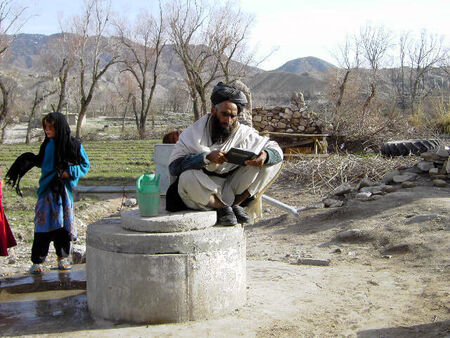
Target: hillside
278,86
306,74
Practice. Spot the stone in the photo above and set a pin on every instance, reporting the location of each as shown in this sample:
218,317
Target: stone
78,254
296,115
404,177
289,130
389,188
439,183
414,170
374,190
387,178
343,189
257,118
363,196
332,203
408,184
316,262
130,202
447,166
349,235
425,165
429,156
315,205
421,218
398,249
442,152
301,128
433,171
365,182
281,125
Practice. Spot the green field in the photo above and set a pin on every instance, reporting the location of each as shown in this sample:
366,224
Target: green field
112,163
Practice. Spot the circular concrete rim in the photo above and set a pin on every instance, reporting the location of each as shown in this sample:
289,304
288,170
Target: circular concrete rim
109,236
171,222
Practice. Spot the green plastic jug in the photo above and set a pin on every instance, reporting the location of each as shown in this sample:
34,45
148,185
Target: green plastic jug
147,188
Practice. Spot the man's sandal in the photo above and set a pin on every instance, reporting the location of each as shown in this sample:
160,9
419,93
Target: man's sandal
36,269
63,264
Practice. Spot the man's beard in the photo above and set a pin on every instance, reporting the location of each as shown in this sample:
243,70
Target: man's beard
219,132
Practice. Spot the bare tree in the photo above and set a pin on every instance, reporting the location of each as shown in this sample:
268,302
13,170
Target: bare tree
206,38
348,58
125,90
418,59
423,55
58,59
375,42
177,98
10,23
40,95
93,52
231,31
141,49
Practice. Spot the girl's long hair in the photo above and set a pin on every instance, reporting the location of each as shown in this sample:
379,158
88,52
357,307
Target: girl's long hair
67,147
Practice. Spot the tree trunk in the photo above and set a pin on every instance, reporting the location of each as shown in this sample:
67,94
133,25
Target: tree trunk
62,94
81,117
342,89
141,131
370,98
123,118
28,136
4,106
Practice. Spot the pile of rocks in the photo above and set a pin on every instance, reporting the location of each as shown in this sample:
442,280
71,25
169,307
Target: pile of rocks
435,168
286,119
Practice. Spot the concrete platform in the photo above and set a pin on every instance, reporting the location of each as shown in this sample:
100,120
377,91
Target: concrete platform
168,222
192,271
109,235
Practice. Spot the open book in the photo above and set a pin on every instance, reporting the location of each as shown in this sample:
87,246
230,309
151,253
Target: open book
239,156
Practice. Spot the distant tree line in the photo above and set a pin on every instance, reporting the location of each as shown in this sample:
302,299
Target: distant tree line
384,86
208,39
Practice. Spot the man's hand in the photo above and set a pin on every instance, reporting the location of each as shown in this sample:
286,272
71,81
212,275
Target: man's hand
217,156
259,161
65,174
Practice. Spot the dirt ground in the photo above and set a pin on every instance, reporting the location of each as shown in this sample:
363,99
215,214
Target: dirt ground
309,276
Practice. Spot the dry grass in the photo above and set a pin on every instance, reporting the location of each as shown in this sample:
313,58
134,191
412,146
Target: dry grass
321,175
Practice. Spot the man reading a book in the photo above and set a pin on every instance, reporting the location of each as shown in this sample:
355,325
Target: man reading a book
207,179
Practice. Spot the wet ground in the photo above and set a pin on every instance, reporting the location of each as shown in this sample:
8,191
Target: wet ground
49,303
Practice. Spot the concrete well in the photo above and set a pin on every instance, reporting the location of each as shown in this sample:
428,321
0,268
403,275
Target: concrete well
190,272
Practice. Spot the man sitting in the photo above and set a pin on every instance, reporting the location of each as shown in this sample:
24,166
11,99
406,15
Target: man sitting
206,179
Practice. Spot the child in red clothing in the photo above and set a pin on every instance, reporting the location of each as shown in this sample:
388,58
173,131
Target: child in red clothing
7,239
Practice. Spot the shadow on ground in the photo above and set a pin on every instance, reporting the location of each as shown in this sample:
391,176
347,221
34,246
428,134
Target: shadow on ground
438,329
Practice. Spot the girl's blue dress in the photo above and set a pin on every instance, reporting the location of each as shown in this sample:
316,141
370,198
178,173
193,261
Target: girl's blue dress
51,215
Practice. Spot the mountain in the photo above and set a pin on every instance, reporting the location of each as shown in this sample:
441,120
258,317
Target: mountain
276,87
309,64
307,74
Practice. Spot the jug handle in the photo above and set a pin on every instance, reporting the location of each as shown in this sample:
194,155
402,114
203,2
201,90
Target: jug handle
138,183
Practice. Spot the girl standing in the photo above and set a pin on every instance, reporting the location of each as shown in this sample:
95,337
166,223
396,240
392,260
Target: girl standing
63,162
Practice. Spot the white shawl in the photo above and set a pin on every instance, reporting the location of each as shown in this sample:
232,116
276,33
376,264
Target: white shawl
196,139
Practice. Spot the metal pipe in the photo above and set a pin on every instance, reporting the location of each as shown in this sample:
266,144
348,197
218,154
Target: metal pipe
280,205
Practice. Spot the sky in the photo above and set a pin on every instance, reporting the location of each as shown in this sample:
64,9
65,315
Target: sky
285,29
